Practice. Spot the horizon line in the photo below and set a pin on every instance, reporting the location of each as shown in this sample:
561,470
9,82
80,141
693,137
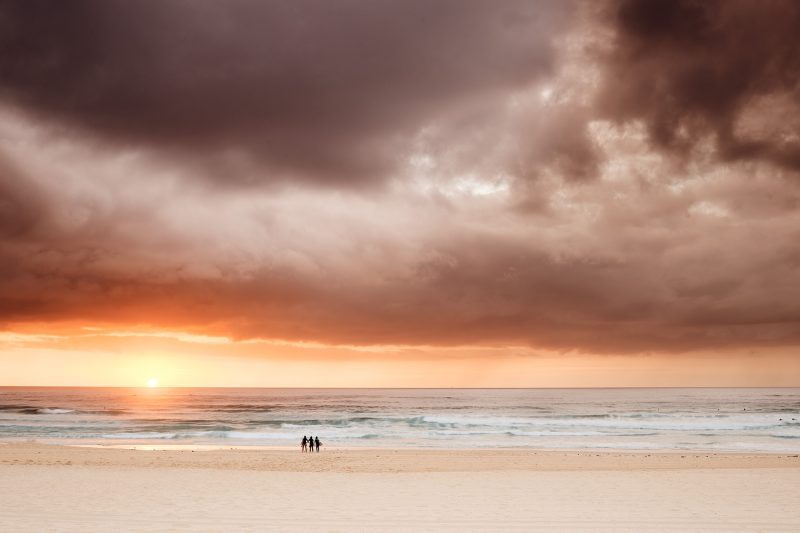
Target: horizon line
397,388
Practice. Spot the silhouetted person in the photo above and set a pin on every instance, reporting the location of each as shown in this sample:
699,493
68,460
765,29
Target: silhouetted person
317,442
303,443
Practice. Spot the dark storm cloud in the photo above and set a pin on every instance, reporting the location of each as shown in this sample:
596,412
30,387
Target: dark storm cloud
314,89
691,68
22,206
535,162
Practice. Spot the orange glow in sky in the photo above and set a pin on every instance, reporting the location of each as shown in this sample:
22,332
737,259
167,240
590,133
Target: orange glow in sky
100,357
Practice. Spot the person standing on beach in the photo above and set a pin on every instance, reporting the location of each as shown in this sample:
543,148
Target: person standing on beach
317,442
303,443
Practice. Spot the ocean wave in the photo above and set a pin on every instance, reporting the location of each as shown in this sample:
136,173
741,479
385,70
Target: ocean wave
605,422
687,419
39,410
46,411
34,409
712,425
137,436
217,435
16,408
55,411
345,421
576,434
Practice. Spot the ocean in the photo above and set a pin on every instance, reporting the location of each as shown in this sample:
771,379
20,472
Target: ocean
713,419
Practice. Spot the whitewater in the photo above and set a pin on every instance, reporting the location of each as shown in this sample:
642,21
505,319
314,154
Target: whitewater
746,420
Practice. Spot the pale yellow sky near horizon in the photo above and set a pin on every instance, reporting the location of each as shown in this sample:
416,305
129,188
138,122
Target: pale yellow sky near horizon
131,358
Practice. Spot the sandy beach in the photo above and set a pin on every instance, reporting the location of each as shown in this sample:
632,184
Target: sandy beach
67,488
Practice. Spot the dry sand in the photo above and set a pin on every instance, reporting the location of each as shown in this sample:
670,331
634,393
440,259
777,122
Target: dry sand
59,488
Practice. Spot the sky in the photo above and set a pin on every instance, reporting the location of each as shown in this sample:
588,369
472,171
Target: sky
419,193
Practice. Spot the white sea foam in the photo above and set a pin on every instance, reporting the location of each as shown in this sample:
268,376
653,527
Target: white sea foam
700,419
154,435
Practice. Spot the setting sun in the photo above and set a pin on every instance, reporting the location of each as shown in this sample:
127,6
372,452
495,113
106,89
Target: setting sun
152,383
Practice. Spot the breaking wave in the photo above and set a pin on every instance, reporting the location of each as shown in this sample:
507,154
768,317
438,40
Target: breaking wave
712,419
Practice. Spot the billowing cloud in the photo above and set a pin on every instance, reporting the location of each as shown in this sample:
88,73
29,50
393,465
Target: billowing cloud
726,68
275,90
608,178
